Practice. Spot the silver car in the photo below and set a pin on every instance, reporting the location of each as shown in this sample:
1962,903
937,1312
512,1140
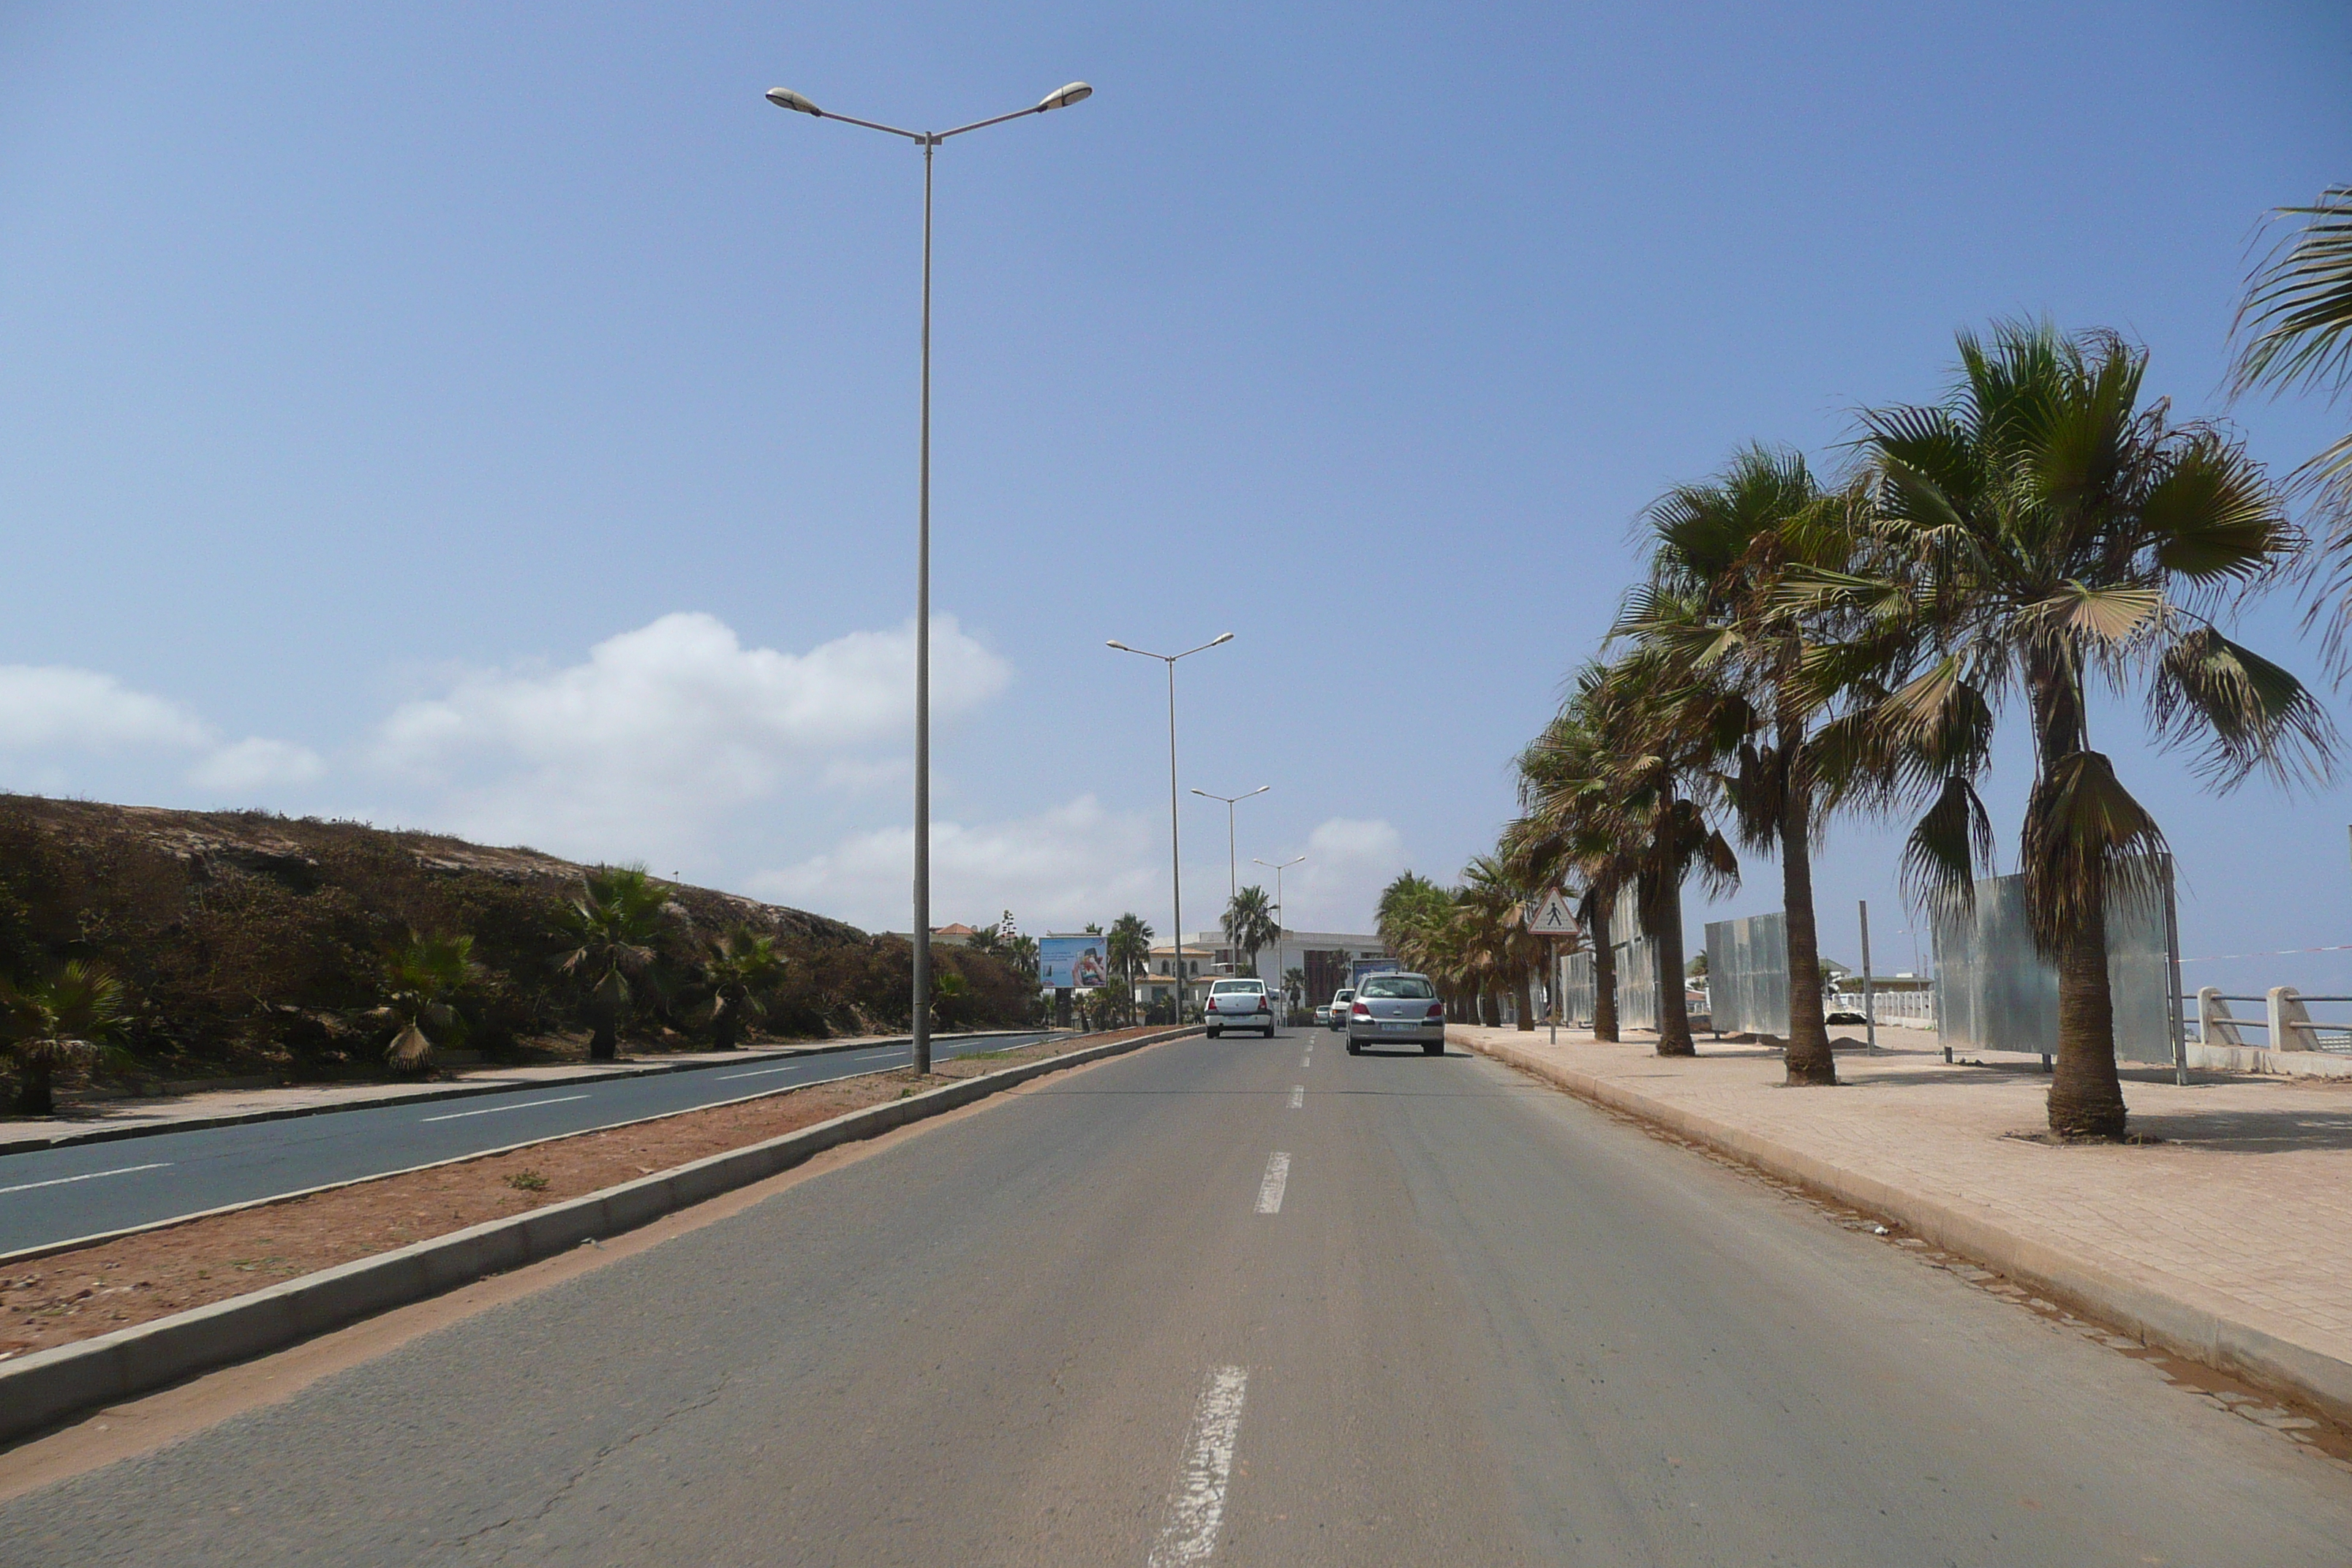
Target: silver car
1400,1007
1337,1017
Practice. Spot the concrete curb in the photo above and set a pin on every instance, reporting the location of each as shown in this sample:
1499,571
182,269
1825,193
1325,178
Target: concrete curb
99,1239
49,1385
459,1091
2207,1332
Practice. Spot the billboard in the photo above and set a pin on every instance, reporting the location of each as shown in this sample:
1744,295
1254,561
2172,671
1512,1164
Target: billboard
1072,962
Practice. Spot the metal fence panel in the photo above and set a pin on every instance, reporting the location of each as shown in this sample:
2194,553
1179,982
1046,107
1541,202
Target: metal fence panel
1748,975
1577,990
1995,992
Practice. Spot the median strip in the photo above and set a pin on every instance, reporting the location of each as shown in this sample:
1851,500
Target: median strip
134,1313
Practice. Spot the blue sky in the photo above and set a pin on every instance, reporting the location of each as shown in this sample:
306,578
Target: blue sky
500,419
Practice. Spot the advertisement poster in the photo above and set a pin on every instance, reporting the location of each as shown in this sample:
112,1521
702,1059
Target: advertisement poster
1071,963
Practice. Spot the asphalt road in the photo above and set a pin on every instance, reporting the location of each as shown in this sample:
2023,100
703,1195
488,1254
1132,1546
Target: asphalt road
1209,1304
56,1194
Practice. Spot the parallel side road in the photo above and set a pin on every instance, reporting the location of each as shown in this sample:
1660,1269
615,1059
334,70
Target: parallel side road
56,1194
1235,1302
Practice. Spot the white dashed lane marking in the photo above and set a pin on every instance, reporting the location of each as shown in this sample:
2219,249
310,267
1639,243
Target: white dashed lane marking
493,1110
1269,1191
65,1180
1198,1507
1297,1095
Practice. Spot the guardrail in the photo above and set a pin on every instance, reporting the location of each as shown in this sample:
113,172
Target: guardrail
2285,1022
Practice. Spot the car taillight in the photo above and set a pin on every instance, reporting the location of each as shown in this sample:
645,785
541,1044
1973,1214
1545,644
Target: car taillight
1213,1004
1437,1011
1360,1011
1265,1005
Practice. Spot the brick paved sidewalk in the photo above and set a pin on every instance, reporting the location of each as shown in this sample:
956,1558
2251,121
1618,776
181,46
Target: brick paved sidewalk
2237,1226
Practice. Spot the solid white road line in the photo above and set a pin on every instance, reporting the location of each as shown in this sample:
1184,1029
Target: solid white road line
493,1110
759,1072
1297,1096
62,1181
1269,1191
1198,1508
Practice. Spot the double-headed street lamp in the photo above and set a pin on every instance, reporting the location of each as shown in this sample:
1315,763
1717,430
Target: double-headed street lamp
1277,867
1233,865
928,141
1175,853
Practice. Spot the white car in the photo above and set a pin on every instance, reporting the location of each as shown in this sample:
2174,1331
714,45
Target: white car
1239,1005
1336,1017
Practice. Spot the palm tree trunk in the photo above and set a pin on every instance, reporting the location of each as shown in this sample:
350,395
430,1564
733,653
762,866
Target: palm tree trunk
1526,1004
722,1026
1673,1011
1604,969
2086,1098
604,1044
36,1095
1810,1061
1666,912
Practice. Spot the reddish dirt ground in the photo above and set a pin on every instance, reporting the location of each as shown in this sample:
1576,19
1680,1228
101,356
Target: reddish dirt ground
94,1291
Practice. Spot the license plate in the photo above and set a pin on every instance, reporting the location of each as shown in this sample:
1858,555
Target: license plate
1404,1026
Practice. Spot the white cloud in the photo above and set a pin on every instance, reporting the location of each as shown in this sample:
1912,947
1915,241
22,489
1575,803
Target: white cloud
1348,861
255,763
48,710
51,706
1057,869
665,732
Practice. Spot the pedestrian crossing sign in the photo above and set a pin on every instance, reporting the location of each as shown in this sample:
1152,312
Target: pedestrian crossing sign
1552,917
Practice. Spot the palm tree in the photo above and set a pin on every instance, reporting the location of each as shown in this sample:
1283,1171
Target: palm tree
1493,903
2043,529
1573,832
1128,948
741,965
1294,985
612,927
2298,311
421,978
1714,609
69,1019
1249,924
1667,730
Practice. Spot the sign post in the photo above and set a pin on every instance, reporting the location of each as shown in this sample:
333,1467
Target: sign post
1553,917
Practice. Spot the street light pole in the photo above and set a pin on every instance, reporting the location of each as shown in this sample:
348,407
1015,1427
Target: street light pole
1277,867
1175,852
1233,862
928,141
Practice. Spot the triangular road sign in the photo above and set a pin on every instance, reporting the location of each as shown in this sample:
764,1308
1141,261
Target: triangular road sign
1553,917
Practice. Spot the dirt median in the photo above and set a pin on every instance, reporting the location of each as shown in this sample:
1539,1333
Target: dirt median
96,1289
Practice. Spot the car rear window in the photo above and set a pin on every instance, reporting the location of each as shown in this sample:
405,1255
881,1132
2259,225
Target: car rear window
1223,987
1403,987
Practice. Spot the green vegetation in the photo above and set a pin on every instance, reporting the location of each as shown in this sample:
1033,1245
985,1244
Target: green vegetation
742,966
61,1020
1250,925
242,943
422,980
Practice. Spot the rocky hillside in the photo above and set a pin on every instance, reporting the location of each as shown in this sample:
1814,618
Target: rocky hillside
248,941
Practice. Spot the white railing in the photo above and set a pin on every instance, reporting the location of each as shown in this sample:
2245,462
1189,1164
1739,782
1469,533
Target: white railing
2285,1022
1906,1007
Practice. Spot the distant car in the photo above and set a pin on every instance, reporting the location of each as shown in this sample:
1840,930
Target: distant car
1335,1016
1239,1005
1402,1006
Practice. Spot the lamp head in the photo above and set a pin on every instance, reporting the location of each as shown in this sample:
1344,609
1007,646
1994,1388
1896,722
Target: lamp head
1077,92
785,97
1223,637
1118,644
